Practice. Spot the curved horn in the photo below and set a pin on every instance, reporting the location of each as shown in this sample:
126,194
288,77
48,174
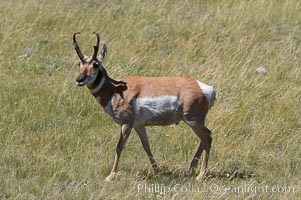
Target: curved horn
76,47
96,47
104,52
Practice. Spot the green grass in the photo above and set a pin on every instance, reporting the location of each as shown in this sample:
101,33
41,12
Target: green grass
57,143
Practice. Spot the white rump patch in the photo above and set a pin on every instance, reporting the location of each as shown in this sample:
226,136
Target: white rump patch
209,93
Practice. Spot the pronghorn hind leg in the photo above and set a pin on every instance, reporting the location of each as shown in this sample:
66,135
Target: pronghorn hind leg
204,148
124,134
206,152
196,158
144,140
206,143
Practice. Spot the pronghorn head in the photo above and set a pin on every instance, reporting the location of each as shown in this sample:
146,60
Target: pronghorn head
89,67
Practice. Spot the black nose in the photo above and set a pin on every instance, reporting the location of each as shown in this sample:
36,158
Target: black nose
80,78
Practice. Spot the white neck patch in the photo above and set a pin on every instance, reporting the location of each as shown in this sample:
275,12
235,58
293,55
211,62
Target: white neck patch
98,99
109,110
99,86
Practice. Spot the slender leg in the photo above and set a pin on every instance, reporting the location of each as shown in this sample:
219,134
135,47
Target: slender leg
206,141
144,140
204,148
124,134
196,158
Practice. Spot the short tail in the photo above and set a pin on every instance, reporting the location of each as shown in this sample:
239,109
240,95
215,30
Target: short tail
209,93
213,98
214,95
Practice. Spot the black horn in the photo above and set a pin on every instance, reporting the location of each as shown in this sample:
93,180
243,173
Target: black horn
76,47
104,51
96,47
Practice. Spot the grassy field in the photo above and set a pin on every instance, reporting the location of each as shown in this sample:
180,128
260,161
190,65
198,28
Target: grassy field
57,143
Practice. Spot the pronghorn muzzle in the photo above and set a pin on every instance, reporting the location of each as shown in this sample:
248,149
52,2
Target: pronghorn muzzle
80,80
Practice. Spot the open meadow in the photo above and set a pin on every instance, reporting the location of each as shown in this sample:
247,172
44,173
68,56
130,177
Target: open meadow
56,142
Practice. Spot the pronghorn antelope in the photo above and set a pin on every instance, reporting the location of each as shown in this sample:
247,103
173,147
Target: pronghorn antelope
136,102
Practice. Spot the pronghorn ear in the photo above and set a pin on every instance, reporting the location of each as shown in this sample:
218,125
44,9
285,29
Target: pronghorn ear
119,86
103,53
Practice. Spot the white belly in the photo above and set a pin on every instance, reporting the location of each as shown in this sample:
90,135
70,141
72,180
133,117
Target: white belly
157,110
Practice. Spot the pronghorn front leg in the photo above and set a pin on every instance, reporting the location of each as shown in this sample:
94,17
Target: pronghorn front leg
124,134
144,140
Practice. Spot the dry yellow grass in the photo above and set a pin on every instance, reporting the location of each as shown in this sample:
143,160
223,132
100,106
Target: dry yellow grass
57,143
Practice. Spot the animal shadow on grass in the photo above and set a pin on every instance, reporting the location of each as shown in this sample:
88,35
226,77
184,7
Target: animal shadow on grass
182,174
